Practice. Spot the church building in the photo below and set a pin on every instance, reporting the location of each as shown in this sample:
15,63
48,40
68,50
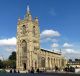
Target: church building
29,54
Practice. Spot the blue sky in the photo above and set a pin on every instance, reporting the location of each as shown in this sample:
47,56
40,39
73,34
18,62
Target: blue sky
59,22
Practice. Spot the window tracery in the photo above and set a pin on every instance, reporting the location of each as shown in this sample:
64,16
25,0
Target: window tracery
24,46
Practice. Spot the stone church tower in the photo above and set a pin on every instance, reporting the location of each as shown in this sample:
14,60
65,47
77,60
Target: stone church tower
28,37
28,52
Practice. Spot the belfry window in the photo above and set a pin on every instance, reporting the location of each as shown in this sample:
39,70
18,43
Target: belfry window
23,29
33,30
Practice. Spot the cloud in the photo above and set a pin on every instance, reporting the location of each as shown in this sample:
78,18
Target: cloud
45,40
54,40
48,39
49,33
56,50
67,45
54,45
1,57
9,41
71,53
10,49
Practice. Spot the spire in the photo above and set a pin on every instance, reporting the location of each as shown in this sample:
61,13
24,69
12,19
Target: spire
28,14
28,10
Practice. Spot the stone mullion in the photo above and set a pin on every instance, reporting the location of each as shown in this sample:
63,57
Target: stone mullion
46,61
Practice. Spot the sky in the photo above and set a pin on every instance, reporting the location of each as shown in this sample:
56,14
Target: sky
58,22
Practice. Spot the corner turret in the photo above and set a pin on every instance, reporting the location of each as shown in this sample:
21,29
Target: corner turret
36,20
19,20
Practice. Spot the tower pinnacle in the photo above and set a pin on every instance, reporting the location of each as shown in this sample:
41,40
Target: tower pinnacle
28,10
28,14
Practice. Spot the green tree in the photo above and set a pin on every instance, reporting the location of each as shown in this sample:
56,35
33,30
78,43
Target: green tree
70,60
12,56
1,64
12,60
10,63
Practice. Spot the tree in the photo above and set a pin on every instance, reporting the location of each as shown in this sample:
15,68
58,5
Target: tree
1,64
12,60
6,63
12,56
77,60
70,60
10,63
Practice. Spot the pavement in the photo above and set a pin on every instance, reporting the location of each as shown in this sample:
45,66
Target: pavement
40,74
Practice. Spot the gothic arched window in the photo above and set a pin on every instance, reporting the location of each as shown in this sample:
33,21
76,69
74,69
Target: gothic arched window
23,29
33,30
24,46
43,62
51,61
48,62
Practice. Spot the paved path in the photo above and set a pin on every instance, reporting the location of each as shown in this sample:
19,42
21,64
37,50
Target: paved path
40,74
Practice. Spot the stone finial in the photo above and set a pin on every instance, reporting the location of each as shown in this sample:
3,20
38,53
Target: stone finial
36,19
28,10
19,19
28,14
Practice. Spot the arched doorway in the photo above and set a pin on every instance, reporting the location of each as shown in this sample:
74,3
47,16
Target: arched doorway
24,66
24,54
35,64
